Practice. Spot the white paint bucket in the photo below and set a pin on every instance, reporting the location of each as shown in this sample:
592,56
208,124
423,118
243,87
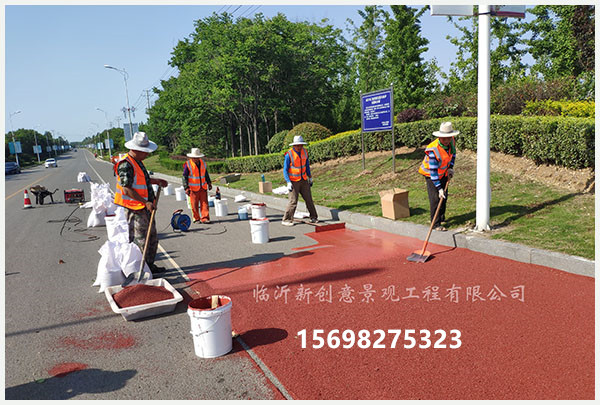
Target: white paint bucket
211,328
259,228
169,190
259,211
180,194
221,207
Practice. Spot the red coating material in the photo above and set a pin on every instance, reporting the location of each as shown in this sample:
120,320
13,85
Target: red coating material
140,294
330,227
112,340
541,348
61,370
205,303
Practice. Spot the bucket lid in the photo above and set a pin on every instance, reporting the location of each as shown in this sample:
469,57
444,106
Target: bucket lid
259,204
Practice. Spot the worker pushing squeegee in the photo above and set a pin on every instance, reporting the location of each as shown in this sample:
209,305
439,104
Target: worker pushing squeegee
136,195
438,169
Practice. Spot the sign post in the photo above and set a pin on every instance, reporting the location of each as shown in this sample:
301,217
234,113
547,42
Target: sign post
377,111
484,191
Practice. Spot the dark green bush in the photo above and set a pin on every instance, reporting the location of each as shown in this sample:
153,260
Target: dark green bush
455,105
409,115
310,131
276,143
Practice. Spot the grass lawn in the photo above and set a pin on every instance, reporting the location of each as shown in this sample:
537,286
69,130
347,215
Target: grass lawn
521,211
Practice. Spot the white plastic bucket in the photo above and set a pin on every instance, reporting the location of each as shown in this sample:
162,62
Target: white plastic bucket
259,211
259,228
221,207
169,190
180,194
211,201
211,328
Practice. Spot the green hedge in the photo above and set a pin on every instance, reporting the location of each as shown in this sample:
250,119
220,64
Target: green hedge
564,108
563,141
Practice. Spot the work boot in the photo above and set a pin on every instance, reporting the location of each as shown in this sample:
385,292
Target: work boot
287,223
156,269
313,220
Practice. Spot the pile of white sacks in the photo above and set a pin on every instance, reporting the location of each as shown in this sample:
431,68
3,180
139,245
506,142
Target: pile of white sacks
119,257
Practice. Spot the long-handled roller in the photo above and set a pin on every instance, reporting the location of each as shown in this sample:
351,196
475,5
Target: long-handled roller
139,275
421,256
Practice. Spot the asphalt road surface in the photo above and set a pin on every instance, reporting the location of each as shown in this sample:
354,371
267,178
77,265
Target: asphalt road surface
56,321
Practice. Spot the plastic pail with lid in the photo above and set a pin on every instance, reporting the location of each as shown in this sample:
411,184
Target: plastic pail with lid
221,207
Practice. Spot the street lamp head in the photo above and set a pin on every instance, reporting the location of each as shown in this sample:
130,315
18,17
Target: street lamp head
109,67
16,112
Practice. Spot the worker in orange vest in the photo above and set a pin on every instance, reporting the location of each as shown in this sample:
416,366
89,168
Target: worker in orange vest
135,193
296,172
438,168
196,181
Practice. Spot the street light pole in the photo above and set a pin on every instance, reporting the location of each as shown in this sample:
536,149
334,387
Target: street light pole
12,130
53,144
107,133
36,144
125,75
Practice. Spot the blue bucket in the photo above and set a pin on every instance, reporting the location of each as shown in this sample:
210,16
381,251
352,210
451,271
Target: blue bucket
242,213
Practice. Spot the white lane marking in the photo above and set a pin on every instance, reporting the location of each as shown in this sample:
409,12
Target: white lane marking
170,259
97,174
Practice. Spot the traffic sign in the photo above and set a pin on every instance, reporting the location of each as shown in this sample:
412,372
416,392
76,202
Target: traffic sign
377,110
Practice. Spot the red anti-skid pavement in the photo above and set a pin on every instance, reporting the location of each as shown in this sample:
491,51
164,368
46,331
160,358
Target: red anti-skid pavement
542,348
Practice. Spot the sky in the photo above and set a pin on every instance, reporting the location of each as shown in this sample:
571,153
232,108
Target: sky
55,55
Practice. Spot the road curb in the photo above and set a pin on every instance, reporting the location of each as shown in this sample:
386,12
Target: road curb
463,239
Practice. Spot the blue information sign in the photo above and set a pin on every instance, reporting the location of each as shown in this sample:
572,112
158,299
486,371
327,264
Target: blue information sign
377,109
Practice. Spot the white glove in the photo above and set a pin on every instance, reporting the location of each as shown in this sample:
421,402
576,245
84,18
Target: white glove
441,193
450,172
290,187
310,181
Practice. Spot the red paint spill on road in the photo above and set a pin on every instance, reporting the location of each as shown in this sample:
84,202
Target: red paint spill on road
111,340
61,370
538,345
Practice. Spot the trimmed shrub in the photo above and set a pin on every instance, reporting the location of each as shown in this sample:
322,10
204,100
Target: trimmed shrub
564,141
409,115
276,143
310,131
564,108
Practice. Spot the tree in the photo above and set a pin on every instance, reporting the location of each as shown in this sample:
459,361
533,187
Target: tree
562,40
402,56
367,46
248,77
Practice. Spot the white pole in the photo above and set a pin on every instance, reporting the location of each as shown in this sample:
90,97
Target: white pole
483,123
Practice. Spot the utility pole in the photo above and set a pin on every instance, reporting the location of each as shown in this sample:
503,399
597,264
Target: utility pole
13,134
148,99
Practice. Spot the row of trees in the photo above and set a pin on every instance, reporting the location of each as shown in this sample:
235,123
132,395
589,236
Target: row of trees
242,81
27,138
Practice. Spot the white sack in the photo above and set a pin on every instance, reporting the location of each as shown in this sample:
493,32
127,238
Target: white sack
301,215
96,219
117,229
109,270
240,198
281,190
130,257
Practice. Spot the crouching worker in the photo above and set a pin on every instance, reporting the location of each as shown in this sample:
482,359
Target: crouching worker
196,181
438,168
136,195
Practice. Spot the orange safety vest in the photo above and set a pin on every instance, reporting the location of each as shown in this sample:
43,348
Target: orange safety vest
139,185
444,158
297,169
196,179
